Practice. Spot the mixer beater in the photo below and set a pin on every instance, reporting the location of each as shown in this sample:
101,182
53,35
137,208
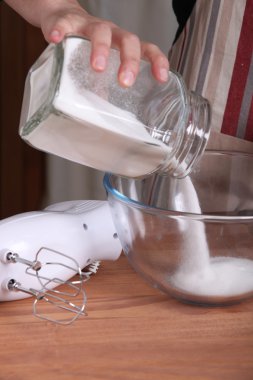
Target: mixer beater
52,276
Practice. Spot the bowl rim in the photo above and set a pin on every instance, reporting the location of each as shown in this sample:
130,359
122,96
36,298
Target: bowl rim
219,217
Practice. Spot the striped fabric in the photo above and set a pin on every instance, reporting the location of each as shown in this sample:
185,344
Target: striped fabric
214,55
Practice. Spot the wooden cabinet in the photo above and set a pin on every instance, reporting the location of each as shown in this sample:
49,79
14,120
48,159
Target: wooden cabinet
22,182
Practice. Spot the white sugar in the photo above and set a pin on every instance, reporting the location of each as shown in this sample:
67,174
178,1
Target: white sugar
200,274
119,144
223,276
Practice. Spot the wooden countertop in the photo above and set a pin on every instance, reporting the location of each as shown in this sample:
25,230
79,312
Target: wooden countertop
132,331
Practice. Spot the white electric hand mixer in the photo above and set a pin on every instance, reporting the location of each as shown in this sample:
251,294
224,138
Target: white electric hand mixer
42,250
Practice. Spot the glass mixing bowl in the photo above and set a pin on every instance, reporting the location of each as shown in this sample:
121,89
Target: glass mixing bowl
190,237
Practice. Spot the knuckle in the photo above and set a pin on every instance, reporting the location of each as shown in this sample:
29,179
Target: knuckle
111,25
149,46
64,22
162,60
131,38
134,62
102,27
154,53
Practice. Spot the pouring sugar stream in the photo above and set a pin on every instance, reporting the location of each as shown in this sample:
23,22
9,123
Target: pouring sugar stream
199,273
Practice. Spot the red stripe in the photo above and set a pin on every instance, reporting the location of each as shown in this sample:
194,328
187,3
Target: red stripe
249,126
240,73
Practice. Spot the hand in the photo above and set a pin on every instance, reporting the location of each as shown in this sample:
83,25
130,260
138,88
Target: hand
72,19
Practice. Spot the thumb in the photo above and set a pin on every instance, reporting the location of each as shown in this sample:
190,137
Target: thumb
55,30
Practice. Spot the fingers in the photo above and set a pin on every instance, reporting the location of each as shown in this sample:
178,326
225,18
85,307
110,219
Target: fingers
104,35
100,34
159,62
130,55
58,25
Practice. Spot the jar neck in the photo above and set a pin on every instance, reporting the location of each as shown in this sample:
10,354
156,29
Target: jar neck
192,141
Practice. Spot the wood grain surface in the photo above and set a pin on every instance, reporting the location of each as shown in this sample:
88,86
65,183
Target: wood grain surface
132,331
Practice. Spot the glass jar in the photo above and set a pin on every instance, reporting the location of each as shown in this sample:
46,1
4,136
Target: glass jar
76,113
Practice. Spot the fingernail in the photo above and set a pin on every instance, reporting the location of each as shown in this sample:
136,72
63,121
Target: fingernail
127,78
163,74
99,62
55,36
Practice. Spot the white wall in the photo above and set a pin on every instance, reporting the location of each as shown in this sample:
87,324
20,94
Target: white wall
151,20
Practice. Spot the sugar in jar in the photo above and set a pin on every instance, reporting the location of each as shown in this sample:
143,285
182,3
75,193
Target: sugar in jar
84,116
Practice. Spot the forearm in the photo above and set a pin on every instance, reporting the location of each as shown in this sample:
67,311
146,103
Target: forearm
34,10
